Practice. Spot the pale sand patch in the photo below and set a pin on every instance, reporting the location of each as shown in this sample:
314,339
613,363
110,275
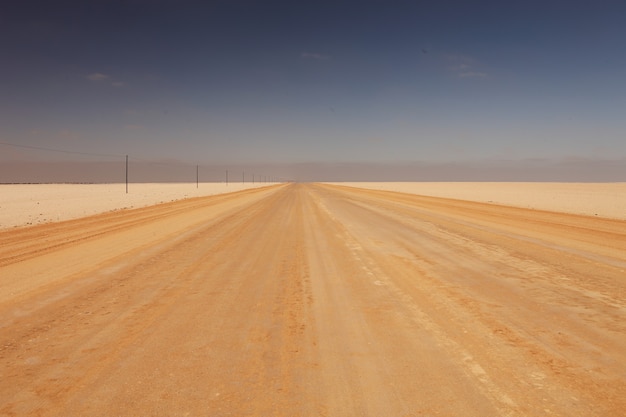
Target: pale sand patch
29,204
592,199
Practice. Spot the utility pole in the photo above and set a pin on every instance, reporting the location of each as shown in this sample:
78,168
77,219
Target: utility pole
126,174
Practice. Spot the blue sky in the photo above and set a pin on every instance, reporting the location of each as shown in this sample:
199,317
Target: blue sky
277,82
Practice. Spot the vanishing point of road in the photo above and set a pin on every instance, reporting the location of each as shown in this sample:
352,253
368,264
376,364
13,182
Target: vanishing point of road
315,300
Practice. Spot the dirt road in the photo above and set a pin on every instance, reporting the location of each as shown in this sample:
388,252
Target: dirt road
315,300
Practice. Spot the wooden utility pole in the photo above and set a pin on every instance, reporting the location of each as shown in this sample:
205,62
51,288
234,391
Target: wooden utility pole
126,174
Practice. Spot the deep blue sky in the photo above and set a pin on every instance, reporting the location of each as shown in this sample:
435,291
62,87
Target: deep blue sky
247,82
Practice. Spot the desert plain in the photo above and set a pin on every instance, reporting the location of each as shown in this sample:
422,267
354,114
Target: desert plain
404,299
30,204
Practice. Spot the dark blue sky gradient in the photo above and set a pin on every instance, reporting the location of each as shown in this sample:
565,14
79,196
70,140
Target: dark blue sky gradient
282,82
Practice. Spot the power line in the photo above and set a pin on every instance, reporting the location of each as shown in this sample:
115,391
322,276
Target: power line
61,150
165,163
261,178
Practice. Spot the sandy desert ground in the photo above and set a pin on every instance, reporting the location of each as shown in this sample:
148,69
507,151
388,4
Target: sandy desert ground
592,199
29,204
315,300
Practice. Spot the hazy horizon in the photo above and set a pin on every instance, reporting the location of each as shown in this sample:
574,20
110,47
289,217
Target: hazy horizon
572,170
328,91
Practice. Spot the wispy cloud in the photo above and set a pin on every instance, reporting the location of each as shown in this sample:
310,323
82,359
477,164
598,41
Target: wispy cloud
309,55
463,66
97,76
102,78
473,74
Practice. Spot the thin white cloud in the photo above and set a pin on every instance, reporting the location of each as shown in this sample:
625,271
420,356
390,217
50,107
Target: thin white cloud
97,76
100,77
463,66
309,55
473,74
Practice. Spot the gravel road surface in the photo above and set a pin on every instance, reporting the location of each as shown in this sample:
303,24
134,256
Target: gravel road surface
315,300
